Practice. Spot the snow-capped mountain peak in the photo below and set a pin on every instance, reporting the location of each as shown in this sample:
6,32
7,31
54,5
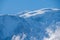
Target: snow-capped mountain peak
37,12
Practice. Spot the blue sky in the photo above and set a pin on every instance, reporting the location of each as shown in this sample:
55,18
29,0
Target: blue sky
15,6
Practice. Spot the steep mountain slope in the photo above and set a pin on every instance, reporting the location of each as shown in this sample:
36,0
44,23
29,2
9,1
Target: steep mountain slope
29,25
43,20
9,23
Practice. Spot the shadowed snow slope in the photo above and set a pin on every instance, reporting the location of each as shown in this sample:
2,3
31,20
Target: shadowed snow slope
34,25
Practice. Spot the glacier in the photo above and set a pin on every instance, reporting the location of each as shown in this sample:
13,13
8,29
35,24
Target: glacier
43,24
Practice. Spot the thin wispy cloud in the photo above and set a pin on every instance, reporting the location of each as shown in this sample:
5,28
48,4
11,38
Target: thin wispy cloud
18,37
53,35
